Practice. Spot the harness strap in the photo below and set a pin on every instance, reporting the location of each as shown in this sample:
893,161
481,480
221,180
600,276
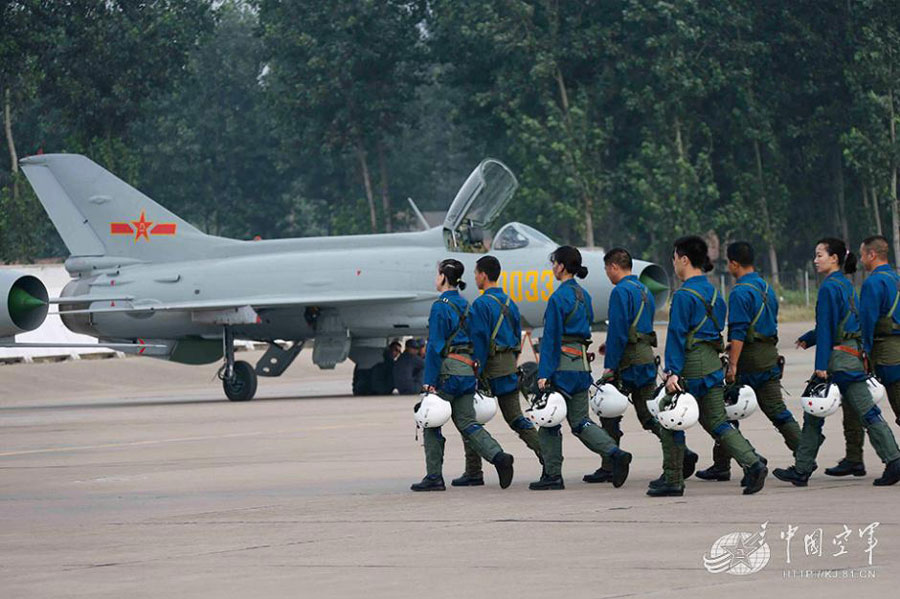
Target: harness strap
709,313
850,310
459,326
464,359
764,294
632,330
504,313
847,349
579,300
572,351
896,279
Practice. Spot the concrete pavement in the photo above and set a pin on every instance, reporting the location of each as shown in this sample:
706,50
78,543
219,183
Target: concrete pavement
135,478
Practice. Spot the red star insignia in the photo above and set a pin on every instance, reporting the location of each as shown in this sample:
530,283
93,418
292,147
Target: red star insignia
142,227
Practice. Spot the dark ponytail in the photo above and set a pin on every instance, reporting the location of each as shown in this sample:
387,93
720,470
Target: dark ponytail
570,258
453,271
837,247
696,251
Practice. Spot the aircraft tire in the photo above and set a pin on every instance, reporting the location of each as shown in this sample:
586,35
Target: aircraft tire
243,386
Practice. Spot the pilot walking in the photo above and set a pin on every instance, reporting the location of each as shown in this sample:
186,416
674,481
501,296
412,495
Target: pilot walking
880,327
450,372
629,357
753,353
693,364
496,332
564,367
880,314
839,358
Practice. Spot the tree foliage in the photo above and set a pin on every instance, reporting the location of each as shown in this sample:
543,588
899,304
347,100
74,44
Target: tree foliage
627,122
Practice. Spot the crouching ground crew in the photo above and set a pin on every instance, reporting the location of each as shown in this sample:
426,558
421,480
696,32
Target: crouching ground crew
839,358
753,357
450,372
629,353
496,332
880,323
564,366
693,363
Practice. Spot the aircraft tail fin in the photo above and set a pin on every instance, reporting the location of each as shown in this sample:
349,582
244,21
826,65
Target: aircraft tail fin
98,214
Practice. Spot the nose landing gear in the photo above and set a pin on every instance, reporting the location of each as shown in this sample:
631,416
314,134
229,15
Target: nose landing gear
238,378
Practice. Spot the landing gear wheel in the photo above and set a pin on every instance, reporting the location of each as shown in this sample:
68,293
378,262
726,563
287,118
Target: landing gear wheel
242,384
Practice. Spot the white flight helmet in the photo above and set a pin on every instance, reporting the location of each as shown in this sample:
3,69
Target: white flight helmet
608,401
432,411
680,413
547,409
740,401
653,404
821,398
485,408
876,389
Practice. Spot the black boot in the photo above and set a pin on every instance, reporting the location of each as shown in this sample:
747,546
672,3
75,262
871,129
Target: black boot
891,475
666,490
503,462
599,476
756,478
430,483
547,483
790,475
715,473
469,480
690,462
746,476
658,482
845,468
621,462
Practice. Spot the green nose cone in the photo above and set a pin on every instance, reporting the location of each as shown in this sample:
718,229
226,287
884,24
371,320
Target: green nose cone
21,302
653,285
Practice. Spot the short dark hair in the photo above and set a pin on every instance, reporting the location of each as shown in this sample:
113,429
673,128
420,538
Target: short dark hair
395,342
620,257
696,250
878,244
489,266
741,252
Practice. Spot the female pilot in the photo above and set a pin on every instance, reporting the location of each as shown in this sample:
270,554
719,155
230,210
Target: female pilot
839,356
564,367
450,372
693,364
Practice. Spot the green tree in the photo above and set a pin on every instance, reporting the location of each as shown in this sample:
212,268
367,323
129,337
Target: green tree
209,149
341,75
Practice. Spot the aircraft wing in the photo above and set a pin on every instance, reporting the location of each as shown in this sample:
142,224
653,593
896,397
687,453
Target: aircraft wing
256,302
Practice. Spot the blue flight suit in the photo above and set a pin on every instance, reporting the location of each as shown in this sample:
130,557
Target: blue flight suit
485,314
880,291
567,319
753,320
562,307
453,379
484,318
625,302
880,301
838,341
629,353
693,348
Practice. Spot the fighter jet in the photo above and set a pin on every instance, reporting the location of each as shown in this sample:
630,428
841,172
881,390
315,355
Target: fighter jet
149,283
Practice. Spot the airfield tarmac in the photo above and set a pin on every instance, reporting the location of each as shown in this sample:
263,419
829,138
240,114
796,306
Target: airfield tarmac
136,478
